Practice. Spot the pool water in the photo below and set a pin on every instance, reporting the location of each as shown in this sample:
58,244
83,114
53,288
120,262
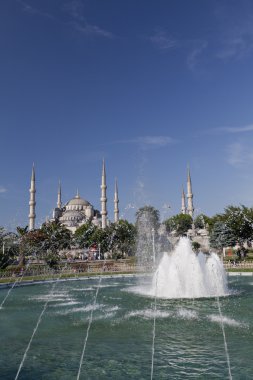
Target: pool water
188,344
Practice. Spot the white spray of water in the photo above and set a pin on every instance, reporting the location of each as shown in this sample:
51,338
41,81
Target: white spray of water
224,339
37,324
154,331
185,274
89,325
13,286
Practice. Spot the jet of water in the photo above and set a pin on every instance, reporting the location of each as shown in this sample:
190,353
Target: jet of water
224,339
185,274
89,323
154,331
38,323
13,286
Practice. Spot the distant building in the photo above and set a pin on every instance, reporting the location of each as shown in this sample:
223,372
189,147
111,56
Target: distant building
77,211
190,208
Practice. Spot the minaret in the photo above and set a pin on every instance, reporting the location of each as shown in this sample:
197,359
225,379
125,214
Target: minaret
103,198
183,208
190,207
32,202
59,196
116,203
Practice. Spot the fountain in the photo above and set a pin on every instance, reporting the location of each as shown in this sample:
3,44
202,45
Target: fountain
182,273
181,322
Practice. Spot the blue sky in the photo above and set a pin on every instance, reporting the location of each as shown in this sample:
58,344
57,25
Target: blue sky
149,85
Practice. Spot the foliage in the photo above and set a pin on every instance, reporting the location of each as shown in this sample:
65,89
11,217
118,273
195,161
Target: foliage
45,242
56,237
8,248
236,222
179,223
102,238
51,258
84,235
195,246
240,221
202,221
122,238
118,237
221,236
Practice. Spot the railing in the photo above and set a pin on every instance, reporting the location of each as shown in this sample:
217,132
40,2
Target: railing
242,265
97,267
71,270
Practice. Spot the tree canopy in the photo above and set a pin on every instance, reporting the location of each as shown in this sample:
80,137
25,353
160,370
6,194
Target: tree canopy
179,223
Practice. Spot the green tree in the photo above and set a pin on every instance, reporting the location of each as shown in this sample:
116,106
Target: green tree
239,219
84,235
56,238
201,221
222,236
179,223
122,238
8,247
196,246
102,238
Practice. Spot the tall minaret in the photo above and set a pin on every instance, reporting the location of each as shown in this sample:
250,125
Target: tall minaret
32,201
190,207
183,208
103,197
59,196
116,203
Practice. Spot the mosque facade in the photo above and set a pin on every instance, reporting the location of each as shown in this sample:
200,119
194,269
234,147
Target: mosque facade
77,211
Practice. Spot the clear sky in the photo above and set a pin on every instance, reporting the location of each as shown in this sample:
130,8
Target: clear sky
149,85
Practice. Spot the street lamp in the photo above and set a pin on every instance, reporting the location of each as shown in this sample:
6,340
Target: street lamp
99,251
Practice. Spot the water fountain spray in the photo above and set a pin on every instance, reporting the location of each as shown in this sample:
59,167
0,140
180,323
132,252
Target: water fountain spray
38,323
89,324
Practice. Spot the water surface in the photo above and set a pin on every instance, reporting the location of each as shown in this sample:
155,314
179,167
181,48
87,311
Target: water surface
189,342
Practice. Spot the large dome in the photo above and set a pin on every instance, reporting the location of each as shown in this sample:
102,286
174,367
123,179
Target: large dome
78,201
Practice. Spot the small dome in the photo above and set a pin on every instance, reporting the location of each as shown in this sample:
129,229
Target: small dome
78,201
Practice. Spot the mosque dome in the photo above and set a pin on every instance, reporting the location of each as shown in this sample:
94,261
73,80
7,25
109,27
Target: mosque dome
78,201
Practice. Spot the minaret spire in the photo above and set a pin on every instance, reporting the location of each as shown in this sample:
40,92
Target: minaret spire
59,196
190,207
116,202
32,202
103,198
183,208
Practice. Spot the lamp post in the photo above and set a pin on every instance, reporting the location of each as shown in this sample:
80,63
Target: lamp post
99,251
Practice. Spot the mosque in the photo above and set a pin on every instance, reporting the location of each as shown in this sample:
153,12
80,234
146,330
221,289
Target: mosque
77,211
